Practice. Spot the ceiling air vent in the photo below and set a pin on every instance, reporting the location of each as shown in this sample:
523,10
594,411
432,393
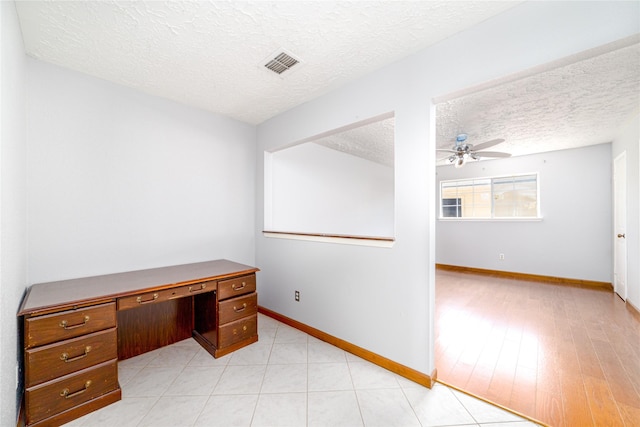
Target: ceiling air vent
281,63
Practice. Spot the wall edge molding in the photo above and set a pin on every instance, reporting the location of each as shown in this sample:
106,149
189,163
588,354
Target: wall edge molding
529,277
395,367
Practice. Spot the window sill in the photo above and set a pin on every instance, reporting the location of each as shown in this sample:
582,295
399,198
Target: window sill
531,219
343,239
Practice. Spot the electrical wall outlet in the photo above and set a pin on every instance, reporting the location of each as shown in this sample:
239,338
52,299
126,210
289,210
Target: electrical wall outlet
297,296
501,257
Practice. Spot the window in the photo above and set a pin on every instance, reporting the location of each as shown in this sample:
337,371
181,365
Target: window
499,197
452,208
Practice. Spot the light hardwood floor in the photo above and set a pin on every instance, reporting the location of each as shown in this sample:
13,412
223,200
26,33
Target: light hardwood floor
564,355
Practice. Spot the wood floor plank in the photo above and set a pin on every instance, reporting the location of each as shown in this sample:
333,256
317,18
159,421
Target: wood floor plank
566,355
521,394
589,363
630,415
478,382
462,370
550,409
621,387
604,409
577,411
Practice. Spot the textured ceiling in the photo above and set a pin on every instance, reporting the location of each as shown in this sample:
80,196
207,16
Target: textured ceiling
211,54
579,101
372,141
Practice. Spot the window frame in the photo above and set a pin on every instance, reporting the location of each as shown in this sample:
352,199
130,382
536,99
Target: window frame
457,205
537,217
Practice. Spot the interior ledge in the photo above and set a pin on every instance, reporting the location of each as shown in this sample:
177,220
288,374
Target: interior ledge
381,242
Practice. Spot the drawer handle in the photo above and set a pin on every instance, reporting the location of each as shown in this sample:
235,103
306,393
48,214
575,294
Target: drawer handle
141,301
204,285
241,309
65,393
239,288
244,329
66,326
67,359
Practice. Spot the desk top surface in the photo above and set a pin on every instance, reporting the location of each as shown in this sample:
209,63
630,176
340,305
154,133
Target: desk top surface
43,297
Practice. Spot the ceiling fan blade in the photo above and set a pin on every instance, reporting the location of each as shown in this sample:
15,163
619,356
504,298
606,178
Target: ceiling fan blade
491,154
487,144
443,159
446,150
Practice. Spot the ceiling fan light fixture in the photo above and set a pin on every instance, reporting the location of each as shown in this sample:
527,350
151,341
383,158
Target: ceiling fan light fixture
460,161
461,152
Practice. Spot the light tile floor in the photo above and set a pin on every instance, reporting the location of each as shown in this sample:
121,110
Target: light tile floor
287,378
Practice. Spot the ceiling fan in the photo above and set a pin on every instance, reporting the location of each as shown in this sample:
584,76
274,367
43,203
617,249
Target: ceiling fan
461,151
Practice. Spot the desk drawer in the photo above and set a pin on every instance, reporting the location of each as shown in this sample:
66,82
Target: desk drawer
237,331
237,286
198,288
236,308
53,397
55,360
134,301
50,328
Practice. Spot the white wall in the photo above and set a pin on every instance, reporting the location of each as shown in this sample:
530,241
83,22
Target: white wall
13,244
382,299
629,141
315,189
573,239
119,180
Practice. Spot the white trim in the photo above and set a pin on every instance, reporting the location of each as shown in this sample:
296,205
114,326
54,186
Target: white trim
622,157
491,179
359,241
515,219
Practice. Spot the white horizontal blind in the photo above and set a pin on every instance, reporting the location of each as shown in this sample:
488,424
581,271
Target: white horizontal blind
499,197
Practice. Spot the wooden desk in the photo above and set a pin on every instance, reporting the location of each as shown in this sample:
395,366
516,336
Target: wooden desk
76,330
